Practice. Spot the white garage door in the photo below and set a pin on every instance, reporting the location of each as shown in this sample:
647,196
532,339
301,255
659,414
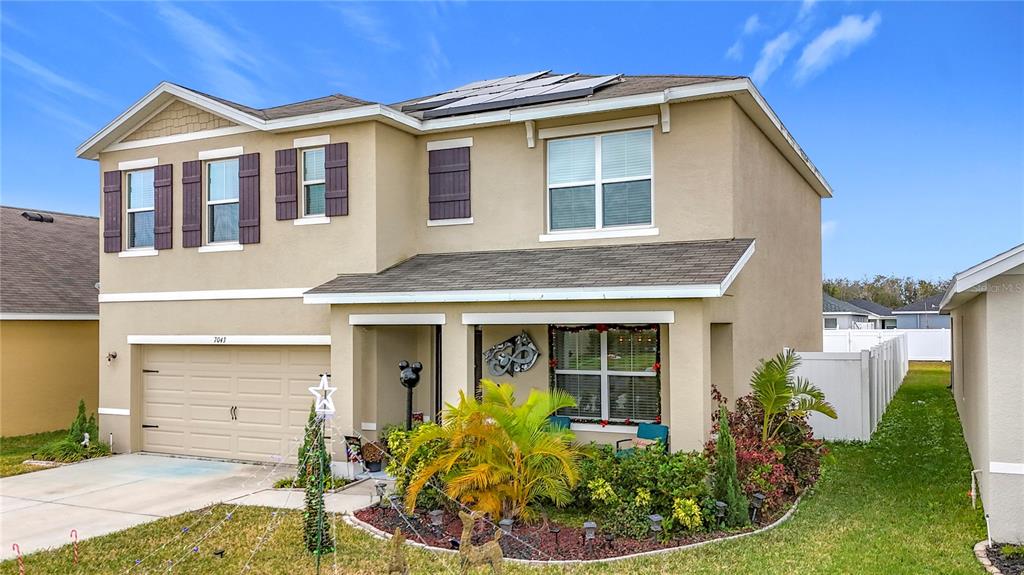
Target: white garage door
233,402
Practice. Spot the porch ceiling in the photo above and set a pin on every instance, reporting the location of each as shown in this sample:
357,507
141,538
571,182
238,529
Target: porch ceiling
655,270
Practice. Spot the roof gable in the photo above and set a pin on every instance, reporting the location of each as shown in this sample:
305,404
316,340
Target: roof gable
177,117
970,282
831,304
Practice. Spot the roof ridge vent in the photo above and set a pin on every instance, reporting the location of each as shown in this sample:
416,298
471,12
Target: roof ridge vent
37,217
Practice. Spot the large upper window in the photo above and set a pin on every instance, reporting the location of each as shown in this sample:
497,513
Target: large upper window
313,182
140,209
222,200
611,371
602,181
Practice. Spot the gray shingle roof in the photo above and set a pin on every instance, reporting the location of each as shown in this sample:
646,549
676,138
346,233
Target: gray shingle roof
314,106
875,308
922,305
830,304
48,267
661,264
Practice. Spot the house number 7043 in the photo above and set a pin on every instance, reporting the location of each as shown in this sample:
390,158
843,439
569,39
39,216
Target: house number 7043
220,339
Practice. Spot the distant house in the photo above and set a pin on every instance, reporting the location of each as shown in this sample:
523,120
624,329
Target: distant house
986,305
881,316
49,319
922,314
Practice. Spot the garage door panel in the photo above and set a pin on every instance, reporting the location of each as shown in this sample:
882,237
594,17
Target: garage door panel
191,399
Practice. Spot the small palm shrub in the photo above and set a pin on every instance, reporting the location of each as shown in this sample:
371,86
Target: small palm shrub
783,396
498,457
69,448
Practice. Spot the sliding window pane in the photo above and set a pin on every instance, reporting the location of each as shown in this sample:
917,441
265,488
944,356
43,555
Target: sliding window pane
140,229
224,222
585,389
140,189
578,350
634,398
572,208
626,155
627,203
571,161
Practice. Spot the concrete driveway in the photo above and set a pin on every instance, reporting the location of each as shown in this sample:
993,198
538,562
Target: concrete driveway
38,510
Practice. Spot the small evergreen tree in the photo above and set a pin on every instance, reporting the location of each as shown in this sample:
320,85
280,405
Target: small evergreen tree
80,426
726,485
311,428
318,467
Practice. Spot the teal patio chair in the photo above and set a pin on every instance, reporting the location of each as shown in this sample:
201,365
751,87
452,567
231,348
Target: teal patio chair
559,421
648,431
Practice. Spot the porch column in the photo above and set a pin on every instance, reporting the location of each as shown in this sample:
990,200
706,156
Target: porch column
456,359
346,366
689,376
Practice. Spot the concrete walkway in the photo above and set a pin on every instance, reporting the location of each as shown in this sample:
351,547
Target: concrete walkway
352,497
38,510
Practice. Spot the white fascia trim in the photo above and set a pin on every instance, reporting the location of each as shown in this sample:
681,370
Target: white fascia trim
1006,468
178,138
396,319
138,164
219,153
597,127
449,222
311,220
368,426
553,294
597,427
140,253
113,411
735,271
843,313
271,293
229,340
19,316
311,141
568,317
922,312
436,145
981,273
213,248
598,234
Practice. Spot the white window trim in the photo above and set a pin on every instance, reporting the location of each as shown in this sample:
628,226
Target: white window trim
598,184
304,182
221,153
605,373
617,232
312,141
224,245
129,211
449,144
138,164
451,222
138,253
311,220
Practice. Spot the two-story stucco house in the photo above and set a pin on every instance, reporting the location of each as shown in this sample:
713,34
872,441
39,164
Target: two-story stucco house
651,236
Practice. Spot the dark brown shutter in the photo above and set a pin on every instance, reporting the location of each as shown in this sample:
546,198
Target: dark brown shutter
192,204
449,183
249,199
162,206
287,184
112,211
336,189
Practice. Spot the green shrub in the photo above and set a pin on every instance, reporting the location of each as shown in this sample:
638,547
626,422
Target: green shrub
725,484
398,447
1012,551
69,448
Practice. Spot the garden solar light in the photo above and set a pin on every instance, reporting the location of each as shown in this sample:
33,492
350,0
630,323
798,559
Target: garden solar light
720,508
608,538
655,523
381,487
506,525
756,502
436,518
589,530
554,530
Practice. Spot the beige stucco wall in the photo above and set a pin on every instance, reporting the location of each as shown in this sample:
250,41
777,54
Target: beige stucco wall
46,367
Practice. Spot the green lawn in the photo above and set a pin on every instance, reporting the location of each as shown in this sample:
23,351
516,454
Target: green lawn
14,450
896,505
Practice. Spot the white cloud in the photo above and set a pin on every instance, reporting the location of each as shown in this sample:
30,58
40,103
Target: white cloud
773,54
828,229
753,24
735,52
805,9
51,80
364,22
434,59
836,43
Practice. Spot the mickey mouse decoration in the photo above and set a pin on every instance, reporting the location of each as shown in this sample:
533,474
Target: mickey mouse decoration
410,378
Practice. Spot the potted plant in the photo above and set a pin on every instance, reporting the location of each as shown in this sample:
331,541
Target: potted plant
373,454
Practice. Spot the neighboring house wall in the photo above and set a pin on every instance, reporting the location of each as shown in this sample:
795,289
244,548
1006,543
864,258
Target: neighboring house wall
844,320
922,321
46,367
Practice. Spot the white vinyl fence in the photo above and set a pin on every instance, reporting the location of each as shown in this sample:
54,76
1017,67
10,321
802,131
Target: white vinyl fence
922,344
858,384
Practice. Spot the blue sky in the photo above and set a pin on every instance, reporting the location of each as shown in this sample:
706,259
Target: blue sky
914,112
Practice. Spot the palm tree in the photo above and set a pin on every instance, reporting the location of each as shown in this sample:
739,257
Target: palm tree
782,394
501,458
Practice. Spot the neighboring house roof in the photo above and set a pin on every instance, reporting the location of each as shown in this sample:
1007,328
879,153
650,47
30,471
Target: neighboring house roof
663,270
48,267
970,282
625,92
876,309
925,305
833,305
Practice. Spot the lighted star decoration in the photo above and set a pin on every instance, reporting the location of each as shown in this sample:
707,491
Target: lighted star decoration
323,393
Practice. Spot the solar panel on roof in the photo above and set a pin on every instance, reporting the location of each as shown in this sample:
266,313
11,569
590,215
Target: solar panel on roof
471,89
518,95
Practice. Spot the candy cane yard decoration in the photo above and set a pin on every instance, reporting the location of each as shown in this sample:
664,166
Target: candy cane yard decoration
21,562
74,539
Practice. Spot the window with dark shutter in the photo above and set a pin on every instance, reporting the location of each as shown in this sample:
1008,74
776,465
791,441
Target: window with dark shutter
162,206
286,182
336,179
249,199
192,204
449,183
112,211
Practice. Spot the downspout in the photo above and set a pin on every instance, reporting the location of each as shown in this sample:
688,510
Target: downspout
974,501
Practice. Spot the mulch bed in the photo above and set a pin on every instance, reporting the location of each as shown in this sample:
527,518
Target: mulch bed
1006,565
535,541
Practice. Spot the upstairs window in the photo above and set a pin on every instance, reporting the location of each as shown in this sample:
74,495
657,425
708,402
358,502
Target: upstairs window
313,182
612,372
140,209
222,200
597,182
